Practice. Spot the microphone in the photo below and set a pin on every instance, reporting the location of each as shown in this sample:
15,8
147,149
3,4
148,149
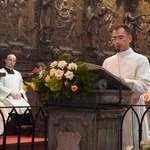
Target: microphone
117,50
120,87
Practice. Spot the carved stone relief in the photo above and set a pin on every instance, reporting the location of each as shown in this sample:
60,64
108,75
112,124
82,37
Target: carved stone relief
74,129
100,27
46,29
18,24
63,32
68,140
79,28
137,17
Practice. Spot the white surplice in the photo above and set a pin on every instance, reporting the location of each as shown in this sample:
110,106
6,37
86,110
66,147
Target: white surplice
135,70
12,83
3,113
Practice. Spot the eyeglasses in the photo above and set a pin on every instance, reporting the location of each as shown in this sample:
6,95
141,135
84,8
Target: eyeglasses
119,38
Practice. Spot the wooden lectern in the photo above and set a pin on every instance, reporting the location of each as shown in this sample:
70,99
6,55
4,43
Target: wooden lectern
90,121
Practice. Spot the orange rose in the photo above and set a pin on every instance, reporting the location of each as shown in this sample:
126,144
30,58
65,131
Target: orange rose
142,143
58,78
74,88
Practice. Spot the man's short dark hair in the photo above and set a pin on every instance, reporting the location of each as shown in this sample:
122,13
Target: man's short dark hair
39,64
124,26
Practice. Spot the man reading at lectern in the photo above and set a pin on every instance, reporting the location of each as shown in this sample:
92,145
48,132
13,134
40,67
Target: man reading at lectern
134,69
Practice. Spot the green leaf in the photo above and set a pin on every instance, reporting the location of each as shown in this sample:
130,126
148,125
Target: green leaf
47,85
65,57
55,85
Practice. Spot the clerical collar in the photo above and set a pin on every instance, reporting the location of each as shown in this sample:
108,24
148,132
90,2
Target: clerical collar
126,52
9,71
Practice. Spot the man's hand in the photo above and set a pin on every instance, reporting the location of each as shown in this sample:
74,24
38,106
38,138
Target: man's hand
122,79
15,96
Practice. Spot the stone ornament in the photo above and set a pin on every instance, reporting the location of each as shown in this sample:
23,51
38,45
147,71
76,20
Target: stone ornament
68,141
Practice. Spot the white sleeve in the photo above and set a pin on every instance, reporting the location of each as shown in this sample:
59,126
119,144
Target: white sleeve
4,92
141,83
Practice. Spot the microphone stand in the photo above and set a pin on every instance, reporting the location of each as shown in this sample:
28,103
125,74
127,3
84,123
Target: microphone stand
120,85
120,92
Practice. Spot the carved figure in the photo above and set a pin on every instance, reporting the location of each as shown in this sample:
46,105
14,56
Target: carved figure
22,20
3,12
64,15
132,20
94,14
148,36
48,20
73,22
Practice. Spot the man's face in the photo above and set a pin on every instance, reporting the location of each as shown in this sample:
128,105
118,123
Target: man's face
38,70
10,61
121,39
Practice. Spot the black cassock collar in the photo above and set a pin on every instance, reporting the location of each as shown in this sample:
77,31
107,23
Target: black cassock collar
9,71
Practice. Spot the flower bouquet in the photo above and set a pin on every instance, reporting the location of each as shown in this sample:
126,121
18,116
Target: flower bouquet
62,78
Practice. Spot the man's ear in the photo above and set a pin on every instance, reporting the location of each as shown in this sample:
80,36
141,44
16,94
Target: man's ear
130,38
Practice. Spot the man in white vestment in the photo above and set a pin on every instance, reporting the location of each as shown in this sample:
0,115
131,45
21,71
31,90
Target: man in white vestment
12,94
134,69
3,113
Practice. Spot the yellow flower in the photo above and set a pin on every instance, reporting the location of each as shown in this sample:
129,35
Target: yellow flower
47,79
33,86
25,88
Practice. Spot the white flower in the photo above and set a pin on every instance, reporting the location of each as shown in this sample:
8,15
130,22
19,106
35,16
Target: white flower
129,147
53,64
41,74
72,66
69,75
59,73
62,64
52,72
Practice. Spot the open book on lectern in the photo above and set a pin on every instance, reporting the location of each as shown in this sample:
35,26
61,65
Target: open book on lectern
107,80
